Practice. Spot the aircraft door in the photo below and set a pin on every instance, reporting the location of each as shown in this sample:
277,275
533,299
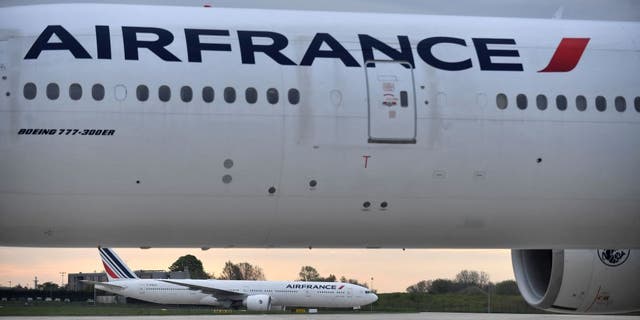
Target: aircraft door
392,102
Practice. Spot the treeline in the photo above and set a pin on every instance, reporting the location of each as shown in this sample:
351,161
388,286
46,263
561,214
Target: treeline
247,271
465,281
231,271
469,291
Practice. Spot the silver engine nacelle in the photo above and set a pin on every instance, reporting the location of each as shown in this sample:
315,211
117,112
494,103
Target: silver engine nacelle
579,281
258,302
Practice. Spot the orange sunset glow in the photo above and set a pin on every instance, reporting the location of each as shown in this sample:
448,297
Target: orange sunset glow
391,270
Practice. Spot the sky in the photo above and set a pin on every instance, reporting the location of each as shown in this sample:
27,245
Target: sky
391,270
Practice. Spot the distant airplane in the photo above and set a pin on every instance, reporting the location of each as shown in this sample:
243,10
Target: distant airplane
147,125
254,295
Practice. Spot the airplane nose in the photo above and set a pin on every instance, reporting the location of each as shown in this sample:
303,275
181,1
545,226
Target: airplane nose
375,298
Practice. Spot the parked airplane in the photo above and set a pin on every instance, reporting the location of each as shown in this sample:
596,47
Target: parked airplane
255,295
162,126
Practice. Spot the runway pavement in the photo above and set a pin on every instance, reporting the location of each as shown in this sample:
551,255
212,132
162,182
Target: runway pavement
363,316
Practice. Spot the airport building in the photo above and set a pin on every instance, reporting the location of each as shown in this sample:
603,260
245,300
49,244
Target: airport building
74,280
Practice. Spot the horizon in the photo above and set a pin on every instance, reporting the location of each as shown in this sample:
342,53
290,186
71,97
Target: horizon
410,267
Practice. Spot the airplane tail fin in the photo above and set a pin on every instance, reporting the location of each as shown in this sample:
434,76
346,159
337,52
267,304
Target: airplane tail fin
115,268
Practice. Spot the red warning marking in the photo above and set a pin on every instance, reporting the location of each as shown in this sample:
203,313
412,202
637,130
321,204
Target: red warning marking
567,55
366,160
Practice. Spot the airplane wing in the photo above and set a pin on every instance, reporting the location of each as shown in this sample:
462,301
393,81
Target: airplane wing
106,284
217,293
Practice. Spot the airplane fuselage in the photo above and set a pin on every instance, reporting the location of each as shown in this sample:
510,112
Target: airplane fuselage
299,129
282,294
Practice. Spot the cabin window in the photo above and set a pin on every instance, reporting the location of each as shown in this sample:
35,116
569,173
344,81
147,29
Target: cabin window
541,102
621,104
636,103
75,91
561,102
207,94
30,91
186,94
294,96
601,103
97,92
521,101
164,93
229,95
272,95
142,93
502,101
251,94
53,91
581,103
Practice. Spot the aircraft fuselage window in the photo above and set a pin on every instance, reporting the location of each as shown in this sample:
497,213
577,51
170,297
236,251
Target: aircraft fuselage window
541,102
251,94
521,101
207,94
186,94
621,104
601,103
164,93
561,102
142,93
75,91
502,101
294,96
581,103
53,91
229,95
272,95
97,92
30,91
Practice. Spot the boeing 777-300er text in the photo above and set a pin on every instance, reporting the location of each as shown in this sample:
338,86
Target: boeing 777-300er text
140,125
255,295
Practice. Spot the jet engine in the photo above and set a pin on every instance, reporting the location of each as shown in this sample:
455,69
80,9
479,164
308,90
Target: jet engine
258,302
579,281
210,301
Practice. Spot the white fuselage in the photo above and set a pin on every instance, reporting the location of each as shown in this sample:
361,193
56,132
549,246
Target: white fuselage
279,172
283,294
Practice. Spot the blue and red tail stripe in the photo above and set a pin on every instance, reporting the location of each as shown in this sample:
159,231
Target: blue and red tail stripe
113,265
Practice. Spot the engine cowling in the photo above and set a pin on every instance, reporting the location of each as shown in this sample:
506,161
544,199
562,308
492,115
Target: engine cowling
579,281
210,301
258,302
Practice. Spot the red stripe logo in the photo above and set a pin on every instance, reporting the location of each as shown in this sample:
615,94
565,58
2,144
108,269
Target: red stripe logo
567,55
109,271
